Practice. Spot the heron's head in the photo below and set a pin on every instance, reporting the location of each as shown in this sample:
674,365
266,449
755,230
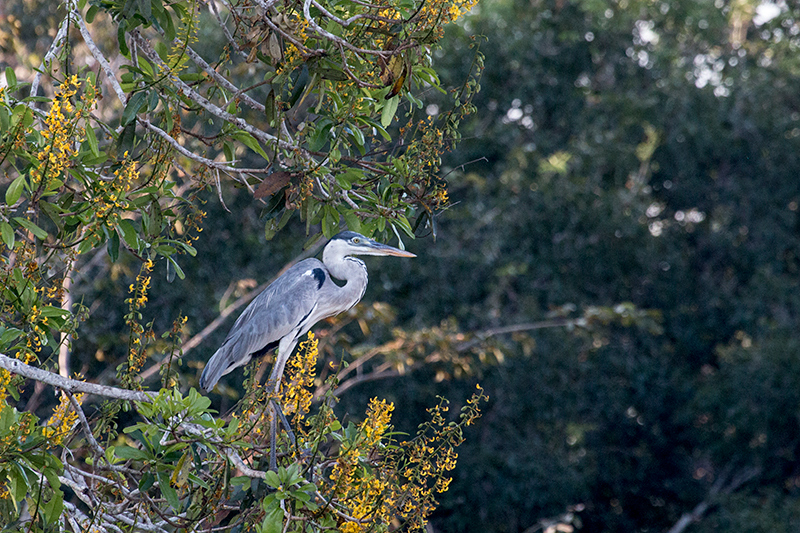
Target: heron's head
352,243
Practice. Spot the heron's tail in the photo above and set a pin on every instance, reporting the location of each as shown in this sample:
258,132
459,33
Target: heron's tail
211,373
220,364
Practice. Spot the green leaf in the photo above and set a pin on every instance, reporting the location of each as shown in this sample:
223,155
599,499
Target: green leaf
376,126
389,110
54,312
250,141
135,103
321,135
126,138
330,222
7,232
272,479
113,246
227,149
244,481
91,140
170,494
129,452
91,13
146,482
30,226
128,233
11,77
53,508
357,136
404,225
123,46
188,248
273,522
18,483
6,338
178,269
352,221
14,190
8,416
169,26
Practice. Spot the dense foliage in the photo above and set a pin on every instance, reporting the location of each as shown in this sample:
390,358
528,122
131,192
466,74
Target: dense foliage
111,139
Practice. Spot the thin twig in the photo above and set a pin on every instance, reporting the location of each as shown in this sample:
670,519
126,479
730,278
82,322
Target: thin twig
87,429
212,5
229,170
54,47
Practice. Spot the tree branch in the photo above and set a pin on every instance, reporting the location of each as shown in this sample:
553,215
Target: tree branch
15,366
725,484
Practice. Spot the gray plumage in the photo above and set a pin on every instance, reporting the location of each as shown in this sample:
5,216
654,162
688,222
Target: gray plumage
293,303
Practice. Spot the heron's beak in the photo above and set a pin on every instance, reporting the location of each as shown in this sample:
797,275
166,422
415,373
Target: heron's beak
384,249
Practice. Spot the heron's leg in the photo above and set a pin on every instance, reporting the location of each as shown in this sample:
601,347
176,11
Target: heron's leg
273,439
284,422
275,409
285,348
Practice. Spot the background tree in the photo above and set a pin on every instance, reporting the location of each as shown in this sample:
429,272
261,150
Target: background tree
640,152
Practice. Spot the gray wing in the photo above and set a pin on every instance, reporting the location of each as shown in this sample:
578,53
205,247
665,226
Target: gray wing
276,312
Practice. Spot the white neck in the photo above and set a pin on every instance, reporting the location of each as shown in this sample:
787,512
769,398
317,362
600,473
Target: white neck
349,269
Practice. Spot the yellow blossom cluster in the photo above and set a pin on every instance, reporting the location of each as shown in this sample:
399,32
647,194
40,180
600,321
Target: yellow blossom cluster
5,381
62,420
365,490
421,465
63,132
112,195
434,15
194,221
440,196
379,416
292,56
301,371
25,313
37,332
138,291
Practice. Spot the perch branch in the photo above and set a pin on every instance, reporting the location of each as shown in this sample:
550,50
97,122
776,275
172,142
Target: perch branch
15,366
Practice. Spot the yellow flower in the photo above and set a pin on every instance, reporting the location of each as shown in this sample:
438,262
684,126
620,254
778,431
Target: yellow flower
62,420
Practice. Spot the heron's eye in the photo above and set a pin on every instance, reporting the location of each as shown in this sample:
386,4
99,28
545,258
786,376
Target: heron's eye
356,240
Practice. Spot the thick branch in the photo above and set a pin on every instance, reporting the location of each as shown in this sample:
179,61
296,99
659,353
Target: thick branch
15,366
98,55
